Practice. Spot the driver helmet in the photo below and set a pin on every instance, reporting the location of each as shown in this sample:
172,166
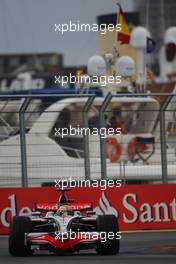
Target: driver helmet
65,210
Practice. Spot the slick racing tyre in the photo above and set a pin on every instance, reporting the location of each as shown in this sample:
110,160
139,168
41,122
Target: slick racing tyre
108,224
18,227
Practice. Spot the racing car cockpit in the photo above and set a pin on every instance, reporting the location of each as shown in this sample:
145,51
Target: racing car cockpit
65,211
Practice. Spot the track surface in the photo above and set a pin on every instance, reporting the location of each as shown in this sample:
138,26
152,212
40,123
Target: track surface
145,247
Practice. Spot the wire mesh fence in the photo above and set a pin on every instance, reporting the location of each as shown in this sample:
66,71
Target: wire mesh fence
122,136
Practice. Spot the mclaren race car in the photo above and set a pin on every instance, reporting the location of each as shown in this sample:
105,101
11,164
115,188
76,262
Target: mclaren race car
64,227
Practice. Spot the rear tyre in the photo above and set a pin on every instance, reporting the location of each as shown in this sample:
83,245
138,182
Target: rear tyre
18,227
108,224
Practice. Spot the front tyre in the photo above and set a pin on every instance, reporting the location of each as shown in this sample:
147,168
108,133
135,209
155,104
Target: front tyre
18,227
107,224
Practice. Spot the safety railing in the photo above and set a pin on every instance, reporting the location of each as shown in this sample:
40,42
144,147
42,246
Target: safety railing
49,137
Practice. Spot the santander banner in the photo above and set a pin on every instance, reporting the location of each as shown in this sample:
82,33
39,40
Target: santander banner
137,207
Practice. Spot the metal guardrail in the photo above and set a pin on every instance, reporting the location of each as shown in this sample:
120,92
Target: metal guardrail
26,101
168,98
27,98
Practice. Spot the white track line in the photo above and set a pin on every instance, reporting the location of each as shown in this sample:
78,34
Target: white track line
149,231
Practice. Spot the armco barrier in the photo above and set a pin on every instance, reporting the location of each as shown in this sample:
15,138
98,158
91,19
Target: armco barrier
136,206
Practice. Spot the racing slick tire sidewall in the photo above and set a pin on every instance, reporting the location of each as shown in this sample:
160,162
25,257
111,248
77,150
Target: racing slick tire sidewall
108,223
18,227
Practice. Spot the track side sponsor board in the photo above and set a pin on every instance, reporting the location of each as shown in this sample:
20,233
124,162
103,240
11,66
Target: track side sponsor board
137,207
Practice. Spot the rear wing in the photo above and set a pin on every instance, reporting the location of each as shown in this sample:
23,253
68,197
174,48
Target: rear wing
46,206
81,206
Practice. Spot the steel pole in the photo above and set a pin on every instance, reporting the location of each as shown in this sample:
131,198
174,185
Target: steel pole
86,137
102,143
24,176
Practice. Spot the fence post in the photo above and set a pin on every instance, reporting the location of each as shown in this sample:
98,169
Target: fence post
102,143
163,146
24,177
163,139
86,137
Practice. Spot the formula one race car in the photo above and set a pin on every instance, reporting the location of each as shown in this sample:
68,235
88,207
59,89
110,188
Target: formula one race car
64,227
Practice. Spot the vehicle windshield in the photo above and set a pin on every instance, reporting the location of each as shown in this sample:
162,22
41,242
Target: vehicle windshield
128,115
131,117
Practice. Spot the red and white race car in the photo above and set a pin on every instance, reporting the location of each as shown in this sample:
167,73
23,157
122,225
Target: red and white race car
64,227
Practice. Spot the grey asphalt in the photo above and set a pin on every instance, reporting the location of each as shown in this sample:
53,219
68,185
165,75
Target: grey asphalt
145,247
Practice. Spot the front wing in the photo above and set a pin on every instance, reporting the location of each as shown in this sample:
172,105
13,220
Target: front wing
62,240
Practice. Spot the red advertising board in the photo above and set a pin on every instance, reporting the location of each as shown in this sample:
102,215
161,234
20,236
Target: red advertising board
136,206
